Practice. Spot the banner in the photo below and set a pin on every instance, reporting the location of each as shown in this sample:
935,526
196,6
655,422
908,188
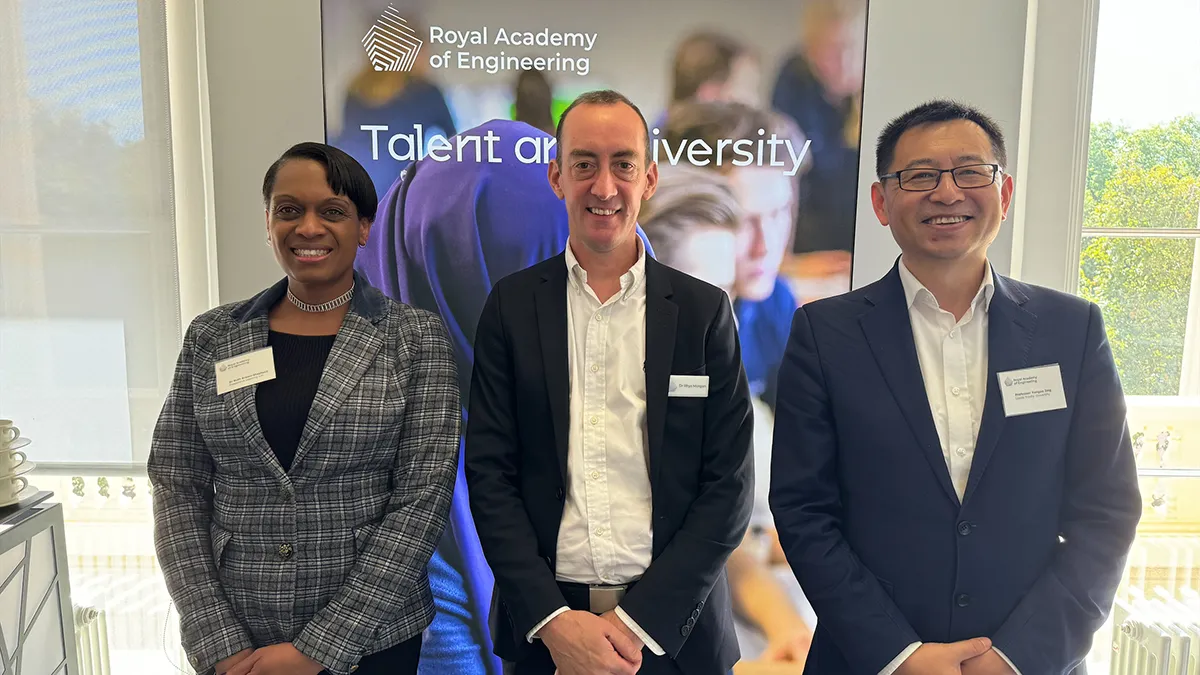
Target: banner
753,111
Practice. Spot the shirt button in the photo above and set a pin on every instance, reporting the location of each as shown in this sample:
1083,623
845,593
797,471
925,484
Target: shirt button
595,368
953,334
600,531
599,317
285,551
963,600
595,420
961,452
955,390
595,475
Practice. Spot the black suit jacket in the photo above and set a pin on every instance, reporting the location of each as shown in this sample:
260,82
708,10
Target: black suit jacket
700,461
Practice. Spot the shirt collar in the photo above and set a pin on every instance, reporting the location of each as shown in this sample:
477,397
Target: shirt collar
915,291
629,281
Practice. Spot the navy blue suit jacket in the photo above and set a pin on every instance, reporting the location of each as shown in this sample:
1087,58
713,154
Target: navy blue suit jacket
869,519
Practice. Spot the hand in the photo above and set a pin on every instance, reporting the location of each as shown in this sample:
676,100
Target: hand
790,650
987,663
943,659
280,659
582,643
624,629
224,665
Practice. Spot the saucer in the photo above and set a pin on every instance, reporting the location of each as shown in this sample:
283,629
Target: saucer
17,444
19,470
23,494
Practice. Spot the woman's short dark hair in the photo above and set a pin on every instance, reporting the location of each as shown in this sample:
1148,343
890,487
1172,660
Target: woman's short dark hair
346,177
932,113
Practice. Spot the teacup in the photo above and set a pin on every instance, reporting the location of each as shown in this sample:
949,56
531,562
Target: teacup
9,433
11,487
10,460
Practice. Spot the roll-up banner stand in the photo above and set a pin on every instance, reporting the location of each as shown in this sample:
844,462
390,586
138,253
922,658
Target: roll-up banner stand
753,110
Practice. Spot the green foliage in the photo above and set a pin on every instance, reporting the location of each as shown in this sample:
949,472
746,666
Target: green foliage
1146,178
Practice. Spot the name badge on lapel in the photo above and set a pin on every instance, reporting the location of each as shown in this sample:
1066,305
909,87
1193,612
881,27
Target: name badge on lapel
244,370
1032,390
688,386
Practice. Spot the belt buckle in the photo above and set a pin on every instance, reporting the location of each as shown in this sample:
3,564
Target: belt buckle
604,599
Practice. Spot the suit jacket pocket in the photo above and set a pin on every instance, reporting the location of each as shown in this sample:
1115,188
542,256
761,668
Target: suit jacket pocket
220,539
363,534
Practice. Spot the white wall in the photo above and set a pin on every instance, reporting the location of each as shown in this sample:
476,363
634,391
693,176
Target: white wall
265,88
914,53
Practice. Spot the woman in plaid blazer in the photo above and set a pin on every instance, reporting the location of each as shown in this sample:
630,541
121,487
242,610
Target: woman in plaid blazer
304,460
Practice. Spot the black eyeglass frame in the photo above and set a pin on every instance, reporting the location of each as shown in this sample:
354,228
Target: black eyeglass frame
996,171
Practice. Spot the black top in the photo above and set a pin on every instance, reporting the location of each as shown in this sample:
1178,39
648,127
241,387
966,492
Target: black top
283,402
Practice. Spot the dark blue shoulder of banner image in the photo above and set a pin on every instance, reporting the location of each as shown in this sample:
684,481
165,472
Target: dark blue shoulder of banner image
445,233
829,189
420,102
763,328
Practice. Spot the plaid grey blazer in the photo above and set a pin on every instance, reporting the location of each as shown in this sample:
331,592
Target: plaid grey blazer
332,555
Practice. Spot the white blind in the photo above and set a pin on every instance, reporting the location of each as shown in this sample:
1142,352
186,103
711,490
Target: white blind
89,301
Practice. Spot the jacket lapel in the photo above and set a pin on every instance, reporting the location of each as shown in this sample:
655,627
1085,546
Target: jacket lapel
661,319
1010,336
551,305
358,342
889,334
247,336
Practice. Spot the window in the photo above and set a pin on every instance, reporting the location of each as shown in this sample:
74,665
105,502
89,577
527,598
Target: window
90,320
1142,199
1140,262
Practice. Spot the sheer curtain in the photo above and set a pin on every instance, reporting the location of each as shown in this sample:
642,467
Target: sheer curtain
89,301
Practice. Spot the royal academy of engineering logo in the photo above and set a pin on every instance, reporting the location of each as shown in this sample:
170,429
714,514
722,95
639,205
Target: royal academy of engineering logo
392,45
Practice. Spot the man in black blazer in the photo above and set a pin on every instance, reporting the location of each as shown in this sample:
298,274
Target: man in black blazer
609,429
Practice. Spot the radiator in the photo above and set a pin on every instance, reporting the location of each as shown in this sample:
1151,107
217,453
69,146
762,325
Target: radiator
91,641
1156,618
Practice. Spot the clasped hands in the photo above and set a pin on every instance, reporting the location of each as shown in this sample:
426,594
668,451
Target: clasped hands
280,659
582,643
969,657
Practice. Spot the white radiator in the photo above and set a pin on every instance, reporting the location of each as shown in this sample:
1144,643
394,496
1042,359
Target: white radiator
91,641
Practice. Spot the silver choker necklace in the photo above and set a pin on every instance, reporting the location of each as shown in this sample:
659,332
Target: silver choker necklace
324,306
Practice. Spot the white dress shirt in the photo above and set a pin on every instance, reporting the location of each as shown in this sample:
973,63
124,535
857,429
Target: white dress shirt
954,363
606,536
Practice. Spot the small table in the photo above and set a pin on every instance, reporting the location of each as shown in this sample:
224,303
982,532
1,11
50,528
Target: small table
36,618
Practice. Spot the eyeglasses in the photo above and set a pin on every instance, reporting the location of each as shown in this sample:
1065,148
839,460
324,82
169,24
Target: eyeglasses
926,179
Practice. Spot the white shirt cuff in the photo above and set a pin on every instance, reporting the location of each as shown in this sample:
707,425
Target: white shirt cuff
534,633
637,630
1010,663
901,658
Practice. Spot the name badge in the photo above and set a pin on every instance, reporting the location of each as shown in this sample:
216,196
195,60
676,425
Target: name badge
245,369
688,386
1032,390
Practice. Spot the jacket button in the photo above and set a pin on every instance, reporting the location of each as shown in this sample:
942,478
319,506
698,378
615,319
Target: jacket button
701,605
964,528
695,615
685,631
963,600
285,551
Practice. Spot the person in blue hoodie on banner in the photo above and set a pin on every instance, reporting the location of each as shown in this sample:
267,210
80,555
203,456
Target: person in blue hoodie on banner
447,231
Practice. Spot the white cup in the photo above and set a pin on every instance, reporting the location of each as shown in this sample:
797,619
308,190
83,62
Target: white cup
8,433
10,460
11,487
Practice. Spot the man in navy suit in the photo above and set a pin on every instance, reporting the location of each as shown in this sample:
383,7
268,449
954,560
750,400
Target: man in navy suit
952,477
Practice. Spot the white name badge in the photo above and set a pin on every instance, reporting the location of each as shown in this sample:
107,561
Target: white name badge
1032,390
245,369
688,386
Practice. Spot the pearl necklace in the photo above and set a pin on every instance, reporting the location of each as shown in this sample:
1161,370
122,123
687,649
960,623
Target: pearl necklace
324,306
